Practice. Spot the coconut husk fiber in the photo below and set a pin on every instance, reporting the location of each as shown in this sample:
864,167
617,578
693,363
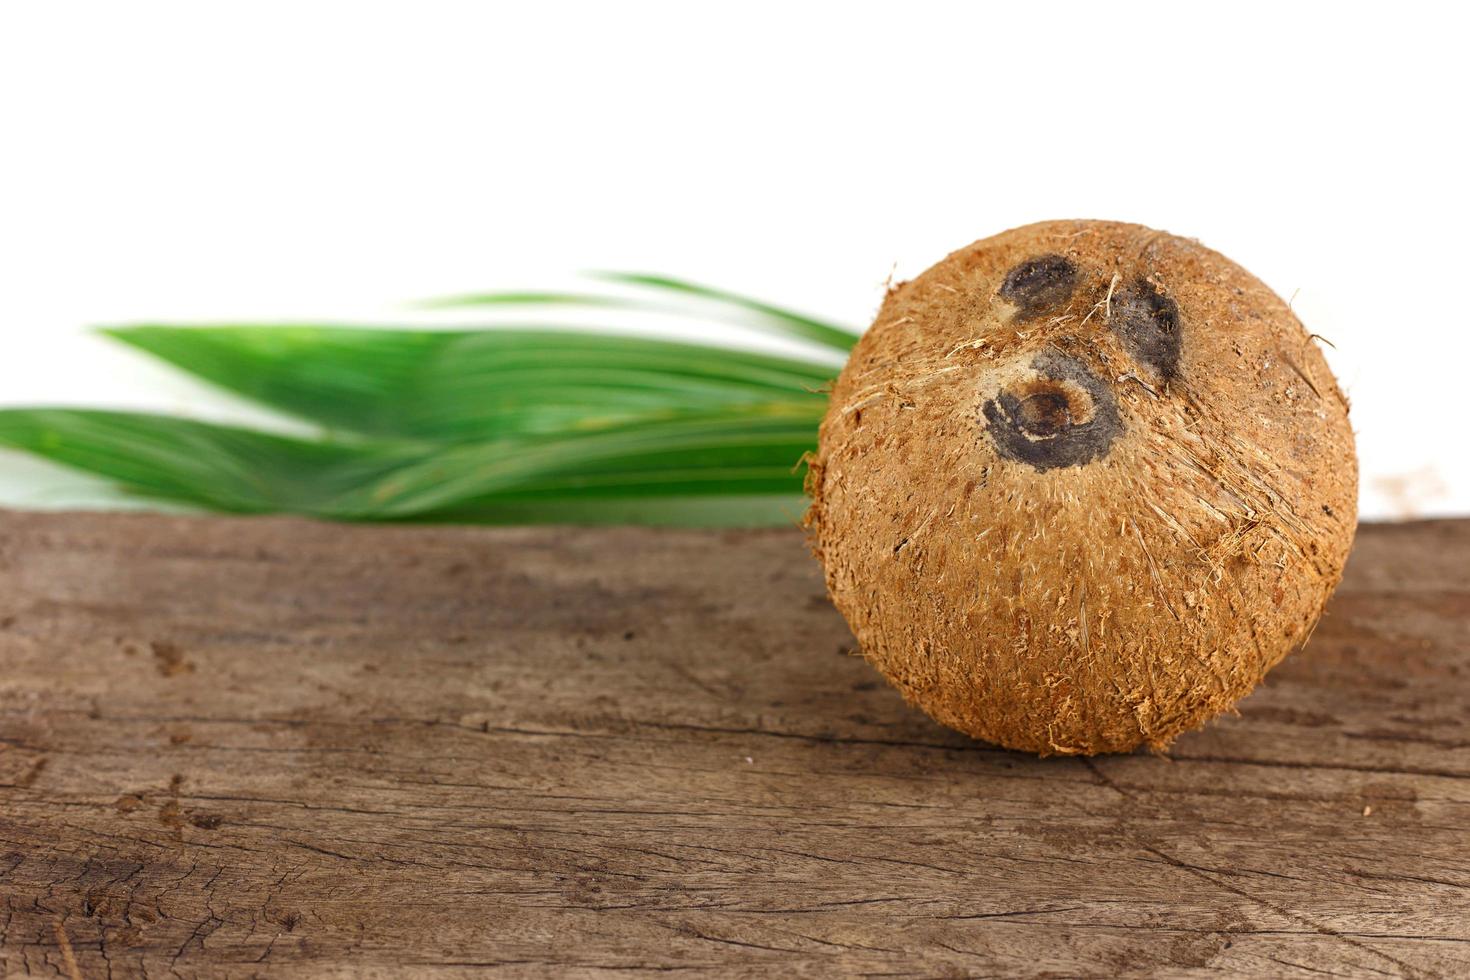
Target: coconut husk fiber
1081,485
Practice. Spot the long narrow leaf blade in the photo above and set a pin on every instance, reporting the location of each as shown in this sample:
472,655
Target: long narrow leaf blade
683,458
691,471
216,466
791,322
731,307
533,298
476,385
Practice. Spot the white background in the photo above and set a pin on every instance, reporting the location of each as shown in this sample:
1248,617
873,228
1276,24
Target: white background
208,161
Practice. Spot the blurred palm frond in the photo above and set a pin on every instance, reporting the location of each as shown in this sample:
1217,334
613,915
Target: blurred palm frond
492,424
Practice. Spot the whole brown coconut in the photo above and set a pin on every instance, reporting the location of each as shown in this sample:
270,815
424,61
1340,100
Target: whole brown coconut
1081,485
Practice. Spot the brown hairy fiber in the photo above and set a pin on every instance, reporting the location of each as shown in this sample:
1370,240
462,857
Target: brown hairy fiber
1081,485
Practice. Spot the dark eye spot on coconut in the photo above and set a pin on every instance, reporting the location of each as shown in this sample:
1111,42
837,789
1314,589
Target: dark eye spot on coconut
1147,322
1039,284
1043,414
1065,416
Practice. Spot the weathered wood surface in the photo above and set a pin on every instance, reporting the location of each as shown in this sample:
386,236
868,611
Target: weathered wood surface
273,748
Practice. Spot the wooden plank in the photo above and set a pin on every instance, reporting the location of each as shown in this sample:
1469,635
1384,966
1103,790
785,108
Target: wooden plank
277,748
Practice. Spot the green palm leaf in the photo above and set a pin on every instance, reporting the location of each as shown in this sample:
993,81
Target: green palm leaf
489,425
217,466
653,470
687,457
794,324
731,307
475,385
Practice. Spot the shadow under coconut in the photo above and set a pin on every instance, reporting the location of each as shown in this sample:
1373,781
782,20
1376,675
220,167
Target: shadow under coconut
810,693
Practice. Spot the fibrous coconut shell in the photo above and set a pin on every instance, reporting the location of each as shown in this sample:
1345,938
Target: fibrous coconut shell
1081,485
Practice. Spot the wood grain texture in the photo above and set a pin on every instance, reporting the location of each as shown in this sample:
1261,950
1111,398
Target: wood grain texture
275,748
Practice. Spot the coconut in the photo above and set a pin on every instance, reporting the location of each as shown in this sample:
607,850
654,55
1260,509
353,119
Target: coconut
1081,485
